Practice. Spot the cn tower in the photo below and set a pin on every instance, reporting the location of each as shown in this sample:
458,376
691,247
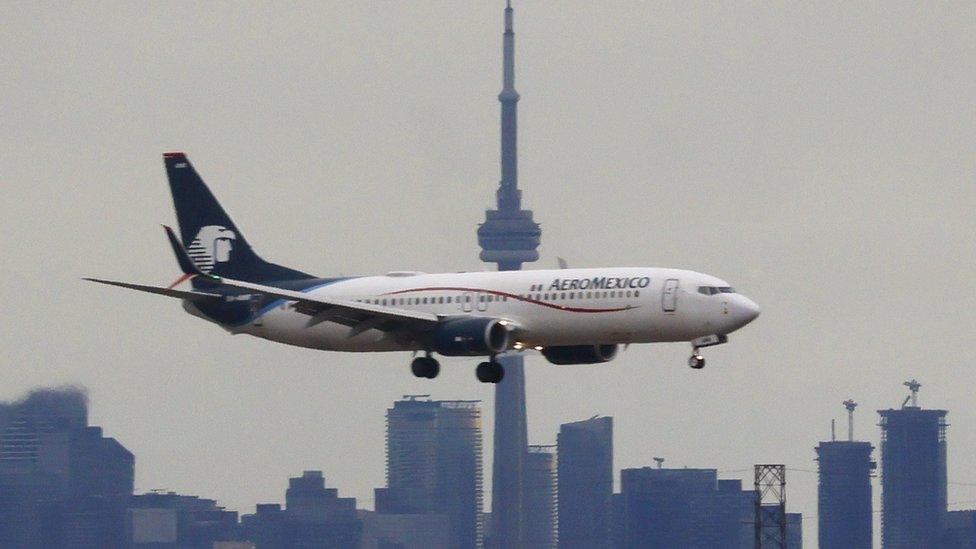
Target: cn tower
509,237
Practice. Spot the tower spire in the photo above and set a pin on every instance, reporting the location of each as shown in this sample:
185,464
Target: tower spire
509,197
509,236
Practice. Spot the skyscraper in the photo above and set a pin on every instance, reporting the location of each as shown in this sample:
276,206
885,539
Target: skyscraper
540,507
585,479
509,237
844,494
433,458
913,476
60,479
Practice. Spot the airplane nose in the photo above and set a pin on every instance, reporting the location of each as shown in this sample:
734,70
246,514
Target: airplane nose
745,310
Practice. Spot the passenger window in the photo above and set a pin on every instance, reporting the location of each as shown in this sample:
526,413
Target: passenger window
636,293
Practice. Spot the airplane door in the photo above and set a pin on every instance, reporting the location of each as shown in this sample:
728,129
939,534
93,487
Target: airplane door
669,295
482,302
466,302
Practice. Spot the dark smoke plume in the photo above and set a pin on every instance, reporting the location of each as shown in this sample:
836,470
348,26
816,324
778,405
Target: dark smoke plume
62,402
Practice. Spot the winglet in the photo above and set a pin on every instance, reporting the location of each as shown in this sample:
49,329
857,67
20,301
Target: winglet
183,258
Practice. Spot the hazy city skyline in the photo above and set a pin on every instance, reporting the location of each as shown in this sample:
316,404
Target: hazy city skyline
821,157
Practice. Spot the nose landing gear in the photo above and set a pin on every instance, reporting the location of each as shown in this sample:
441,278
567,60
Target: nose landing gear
425,366
697,361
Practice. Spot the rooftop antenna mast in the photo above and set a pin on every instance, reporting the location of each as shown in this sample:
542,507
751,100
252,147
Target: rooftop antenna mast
913,386
850,405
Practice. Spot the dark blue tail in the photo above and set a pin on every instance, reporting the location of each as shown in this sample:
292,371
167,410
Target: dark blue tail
212,240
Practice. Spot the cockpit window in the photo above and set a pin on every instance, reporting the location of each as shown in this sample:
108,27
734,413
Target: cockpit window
712,290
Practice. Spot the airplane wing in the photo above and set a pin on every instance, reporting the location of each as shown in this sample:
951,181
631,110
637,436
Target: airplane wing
182,294
360,316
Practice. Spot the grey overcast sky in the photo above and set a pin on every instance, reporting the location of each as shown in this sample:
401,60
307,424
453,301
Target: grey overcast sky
821,157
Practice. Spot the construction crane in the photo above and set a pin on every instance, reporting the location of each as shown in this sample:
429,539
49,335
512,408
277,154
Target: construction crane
659,461
850,405
913,386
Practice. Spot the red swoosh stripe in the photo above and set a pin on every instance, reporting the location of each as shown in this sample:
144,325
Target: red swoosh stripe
513,296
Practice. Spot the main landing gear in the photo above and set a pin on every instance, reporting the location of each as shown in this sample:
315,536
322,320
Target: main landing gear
425,366
490,372
697,361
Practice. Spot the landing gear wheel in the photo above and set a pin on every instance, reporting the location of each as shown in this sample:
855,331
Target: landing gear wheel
498,371
696,361
490,372
433,368
425,366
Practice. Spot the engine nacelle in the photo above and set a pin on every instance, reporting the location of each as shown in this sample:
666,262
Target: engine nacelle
580,354
471,336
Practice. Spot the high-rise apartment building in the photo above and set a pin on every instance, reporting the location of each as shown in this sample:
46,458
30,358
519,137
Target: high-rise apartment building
433,457
913,477
585,482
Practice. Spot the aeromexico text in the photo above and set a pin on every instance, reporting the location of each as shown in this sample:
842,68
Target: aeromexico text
599,283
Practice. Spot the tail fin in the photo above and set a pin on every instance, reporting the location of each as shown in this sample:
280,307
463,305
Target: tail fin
213,242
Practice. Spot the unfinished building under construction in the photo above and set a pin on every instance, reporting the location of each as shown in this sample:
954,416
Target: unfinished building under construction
913,474
844,490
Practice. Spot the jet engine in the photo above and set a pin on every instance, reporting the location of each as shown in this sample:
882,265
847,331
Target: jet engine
580,354
472,336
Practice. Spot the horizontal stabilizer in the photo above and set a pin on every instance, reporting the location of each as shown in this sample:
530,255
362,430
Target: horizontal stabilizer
181,294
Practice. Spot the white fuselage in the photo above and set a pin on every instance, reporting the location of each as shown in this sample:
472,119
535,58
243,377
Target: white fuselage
545,307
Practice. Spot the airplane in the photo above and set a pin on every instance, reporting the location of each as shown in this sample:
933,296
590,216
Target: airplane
571,316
